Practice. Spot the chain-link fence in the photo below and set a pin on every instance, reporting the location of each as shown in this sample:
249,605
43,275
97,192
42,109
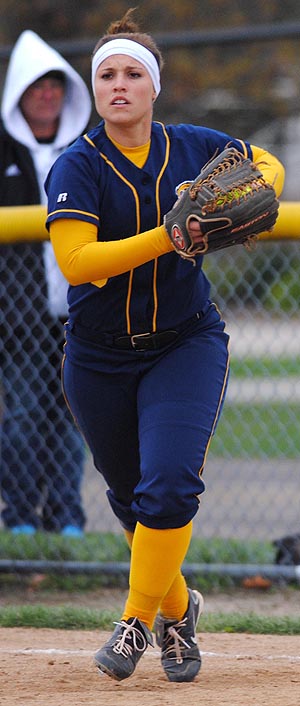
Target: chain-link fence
252,473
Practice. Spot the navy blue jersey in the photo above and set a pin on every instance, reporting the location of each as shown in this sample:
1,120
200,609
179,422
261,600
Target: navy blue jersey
94,182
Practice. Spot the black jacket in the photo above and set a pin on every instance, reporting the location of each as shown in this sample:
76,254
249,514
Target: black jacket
18,182
23,291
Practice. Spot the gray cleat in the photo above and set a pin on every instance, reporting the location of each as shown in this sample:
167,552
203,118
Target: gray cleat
120,655
180,655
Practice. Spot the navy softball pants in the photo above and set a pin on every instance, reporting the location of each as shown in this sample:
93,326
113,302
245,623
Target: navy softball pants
148,418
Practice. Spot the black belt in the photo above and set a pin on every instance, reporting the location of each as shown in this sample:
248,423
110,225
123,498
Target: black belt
138,341
146,341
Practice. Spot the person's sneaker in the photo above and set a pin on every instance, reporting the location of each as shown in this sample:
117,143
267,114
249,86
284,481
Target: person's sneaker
72,532
120,655
180,655
23,529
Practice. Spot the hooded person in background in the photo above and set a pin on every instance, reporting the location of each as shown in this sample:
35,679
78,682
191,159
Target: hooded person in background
45,107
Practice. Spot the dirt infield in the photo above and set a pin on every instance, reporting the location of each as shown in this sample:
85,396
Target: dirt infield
55,667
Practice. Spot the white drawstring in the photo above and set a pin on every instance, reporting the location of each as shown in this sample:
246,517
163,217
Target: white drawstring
178,643
130,632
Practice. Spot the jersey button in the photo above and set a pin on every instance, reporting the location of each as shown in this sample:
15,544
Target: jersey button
148,199
146,180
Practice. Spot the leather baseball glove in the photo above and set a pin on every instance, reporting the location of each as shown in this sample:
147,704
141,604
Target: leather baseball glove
231,201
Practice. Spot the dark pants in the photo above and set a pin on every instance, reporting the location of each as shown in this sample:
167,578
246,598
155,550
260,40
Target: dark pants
148,418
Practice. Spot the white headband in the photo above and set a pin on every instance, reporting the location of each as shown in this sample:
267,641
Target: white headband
129,48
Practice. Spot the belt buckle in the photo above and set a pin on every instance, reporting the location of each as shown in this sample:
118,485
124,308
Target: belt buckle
134,340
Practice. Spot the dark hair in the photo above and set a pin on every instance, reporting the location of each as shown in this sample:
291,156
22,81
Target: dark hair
126,28
59,75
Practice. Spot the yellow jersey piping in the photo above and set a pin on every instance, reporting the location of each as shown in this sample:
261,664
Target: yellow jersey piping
217,413
138,223
159,178
73,210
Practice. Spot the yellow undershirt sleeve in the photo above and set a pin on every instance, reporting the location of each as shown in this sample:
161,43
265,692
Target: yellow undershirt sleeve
271,168
82,258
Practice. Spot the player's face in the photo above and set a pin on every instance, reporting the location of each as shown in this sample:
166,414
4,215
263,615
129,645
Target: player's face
124,93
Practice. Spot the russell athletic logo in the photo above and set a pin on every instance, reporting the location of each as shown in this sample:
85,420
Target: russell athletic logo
62,197
178,237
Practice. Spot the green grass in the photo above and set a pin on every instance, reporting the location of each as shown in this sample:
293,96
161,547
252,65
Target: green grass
250,623
274,367
110,547
68,618
52,547
258,431
261,430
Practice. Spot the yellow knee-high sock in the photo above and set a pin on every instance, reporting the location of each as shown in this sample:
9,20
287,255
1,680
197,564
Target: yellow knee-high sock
156,558
175,603
129,537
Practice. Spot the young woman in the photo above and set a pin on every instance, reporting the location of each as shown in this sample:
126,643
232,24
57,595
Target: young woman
140,321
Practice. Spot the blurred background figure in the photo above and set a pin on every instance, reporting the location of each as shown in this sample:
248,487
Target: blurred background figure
45,106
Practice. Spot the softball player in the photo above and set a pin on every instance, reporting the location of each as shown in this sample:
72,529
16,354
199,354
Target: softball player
146,355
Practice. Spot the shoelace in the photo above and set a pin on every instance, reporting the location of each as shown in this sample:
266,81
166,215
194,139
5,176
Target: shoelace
123,647
178,643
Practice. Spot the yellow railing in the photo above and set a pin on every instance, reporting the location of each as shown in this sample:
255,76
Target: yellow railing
28,223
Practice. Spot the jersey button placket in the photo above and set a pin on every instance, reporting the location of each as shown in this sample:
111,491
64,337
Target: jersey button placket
146,179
